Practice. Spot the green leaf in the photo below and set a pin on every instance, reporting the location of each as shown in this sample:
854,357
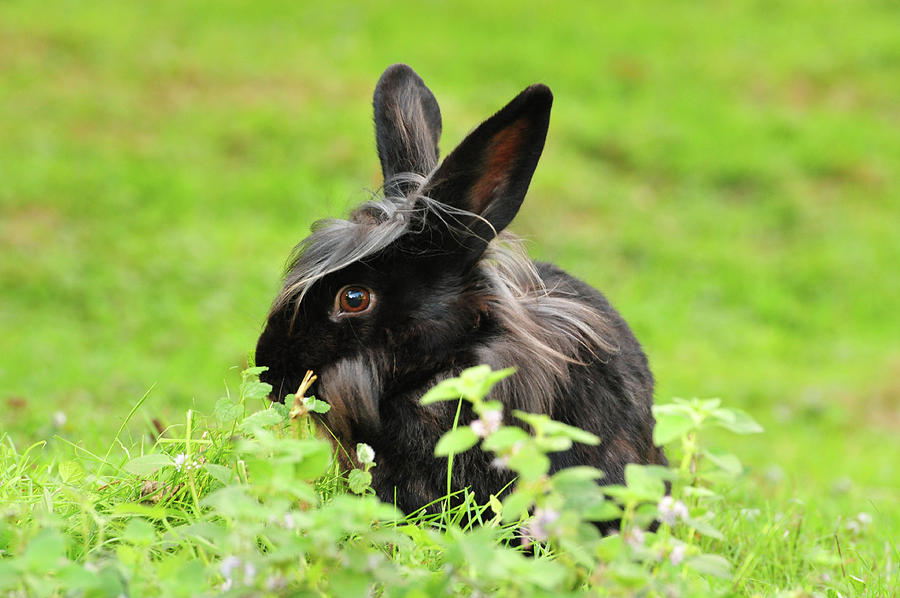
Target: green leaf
314,461
505,438
604,511
45,552
554,444
556,428
255,390
628,574
703,528
727,462
147,464
220,473
359,481
517,504
670,426
260,419
456,441
226,410
496,505
529,463
70,471
710,564
446,390
281,409
577,473
320,407
139,531
609,548
737,421
644,482
254,372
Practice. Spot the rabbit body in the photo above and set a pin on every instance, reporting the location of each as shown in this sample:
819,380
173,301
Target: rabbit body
415,287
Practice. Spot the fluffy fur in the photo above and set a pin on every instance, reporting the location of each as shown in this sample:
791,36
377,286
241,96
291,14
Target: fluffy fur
450,290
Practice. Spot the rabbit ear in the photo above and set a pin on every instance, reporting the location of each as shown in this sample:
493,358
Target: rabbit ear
407,127
489,172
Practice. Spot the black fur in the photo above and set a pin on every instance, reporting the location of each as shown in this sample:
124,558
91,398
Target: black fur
449,295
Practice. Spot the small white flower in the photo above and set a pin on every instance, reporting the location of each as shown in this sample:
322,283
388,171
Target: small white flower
676,556
365,454
671,510
372,562
492,420
275,583
864,519
229,564
749,513
180,460
227,584
488,423
501,462
853,526
249,573
635,537
289,521
538,525
59,419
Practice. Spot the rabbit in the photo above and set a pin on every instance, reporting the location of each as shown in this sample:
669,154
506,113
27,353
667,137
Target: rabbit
417,285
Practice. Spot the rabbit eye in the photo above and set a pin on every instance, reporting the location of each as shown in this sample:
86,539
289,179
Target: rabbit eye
354,299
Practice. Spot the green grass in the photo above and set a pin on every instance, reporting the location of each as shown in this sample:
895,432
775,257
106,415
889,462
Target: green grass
725,172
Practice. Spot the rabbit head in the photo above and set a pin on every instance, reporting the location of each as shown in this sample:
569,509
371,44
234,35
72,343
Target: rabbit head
384,295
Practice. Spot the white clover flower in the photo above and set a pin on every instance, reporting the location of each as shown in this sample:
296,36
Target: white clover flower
492,420
229,564
227,567
671,510
635,537
676,556
59,419
487,424
289,521
538,525
180,460
365,454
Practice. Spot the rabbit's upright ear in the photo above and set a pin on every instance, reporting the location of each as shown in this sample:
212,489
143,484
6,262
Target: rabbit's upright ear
407,127
489,172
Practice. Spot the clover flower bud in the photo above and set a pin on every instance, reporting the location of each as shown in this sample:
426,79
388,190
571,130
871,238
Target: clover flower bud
676,556
365,454
671,510
635,537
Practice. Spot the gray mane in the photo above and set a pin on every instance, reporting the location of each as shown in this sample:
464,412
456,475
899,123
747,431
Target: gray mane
551,326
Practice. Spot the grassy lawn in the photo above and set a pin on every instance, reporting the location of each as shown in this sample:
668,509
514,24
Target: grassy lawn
726,172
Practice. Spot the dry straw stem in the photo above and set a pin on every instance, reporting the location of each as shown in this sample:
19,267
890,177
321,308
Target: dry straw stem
299,409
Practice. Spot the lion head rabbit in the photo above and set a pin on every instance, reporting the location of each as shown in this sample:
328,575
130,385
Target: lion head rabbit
417,285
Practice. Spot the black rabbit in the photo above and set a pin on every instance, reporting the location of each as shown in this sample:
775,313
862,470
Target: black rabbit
423,283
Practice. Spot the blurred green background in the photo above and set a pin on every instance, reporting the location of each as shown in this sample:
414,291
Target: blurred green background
726,172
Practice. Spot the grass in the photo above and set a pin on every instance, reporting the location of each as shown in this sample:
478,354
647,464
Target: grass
726,173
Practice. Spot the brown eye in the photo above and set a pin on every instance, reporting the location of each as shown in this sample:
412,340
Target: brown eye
353,299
